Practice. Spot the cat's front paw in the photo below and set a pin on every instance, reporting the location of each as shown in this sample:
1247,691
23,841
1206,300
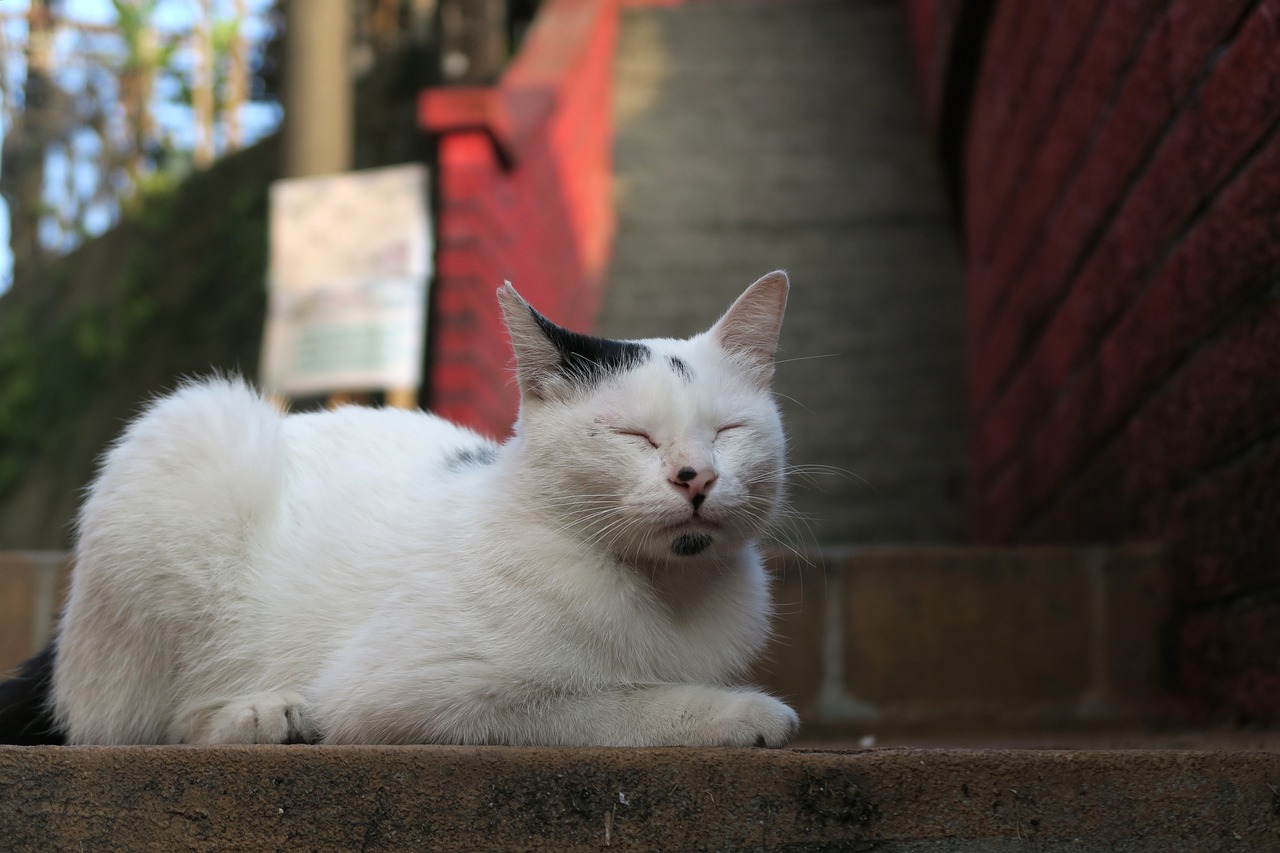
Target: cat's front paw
751,718
265,718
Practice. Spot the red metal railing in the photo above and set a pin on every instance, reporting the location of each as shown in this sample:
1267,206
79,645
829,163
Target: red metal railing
525,194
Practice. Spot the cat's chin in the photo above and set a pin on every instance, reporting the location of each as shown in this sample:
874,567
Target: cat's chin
691,544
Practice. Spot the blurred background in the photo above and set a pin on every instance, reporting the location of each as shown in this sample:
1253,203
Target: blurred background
106,101
1028,368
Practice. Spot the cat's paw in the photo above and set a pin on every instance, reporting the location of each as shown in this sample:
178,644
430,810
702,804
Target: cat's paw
265,718
750,718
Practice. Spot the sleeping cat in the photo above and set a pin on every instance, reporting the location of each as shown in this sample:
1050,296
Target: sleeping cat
383,576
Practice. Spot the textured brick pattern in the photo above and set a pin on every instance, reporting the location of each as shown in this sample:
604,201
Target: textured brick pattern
32,586
1121,171
524,180
884,640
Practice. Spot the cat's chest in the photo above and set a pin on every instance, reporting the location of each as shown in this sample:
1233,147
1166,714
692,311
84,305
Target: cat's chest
633,634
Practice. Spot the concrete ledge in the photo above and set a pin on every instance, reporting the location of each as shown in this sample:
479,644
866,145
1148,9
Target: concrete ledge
464,798
877,639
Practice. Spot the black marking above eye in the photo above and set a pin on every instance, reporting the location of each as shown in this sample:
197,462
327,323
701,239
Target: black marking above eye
681,368
584,359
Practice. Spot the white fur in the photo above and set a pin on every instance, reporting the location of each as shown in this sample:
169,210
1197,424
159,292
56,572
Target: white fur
243,576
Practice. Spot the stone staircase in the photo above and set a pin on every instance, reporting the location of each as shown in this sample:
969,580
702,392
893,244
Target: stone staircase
459,798
900,642
955,699
880,640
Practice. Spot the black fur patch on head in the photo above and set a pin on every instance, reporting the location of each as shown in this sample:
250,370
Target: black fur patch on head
689,544
482,455
681,368
584,359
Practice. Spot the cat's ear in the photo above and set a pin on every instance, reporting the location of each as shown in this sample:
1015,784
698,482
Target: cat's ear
552,361
537,358
749,329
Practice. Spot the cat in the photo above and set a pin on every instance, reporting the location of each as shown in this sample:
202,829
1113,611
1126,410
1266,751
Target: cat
384,576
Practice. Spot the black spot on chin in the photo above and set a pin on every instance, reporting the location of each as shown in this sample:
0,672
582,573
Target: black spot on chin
689,544
585,360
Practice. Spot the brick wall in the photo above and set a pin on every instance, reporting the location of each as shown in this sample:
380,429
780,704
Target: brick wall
33,585
1119,191
524,194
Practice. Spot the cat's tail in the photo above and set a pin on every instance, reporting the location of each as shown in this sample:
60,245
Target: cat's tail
26,717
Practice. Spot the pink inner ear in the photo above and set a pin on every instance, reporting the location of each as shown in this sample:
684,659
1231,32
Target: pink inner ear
752,323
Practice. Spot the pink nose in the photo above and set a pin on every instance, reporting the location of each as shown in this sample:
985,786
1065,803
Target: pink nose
695,483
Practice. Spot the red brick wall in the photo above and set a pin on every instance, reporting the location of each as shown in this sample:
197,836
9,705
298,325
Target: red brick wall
524,194
1119,189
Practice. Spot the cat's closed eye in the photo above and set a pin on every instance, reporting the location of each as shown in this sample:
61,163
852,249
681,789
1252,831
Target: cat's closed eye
728,428
638,434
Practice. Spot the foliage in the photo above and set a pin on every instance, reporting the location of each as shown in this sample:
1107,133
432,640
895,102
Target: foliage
94,114
58,351
47,378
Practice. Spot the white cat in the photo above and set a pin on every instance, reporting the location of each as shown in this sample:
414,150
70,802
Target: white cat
382,576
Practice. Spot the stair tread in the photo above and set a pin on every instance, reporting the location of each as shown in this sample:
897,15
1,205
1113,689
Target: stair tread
437,797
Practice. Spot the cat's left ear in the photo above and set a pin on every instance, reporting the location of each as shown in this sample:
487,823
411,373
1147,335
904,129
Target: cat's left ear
749,329
537,358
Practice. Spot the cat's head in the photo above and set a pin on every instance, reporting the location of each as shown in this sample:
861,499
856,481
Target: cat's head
659,448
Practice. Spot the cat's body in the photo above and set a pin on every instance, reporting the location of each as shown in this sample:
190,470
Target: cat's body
379,576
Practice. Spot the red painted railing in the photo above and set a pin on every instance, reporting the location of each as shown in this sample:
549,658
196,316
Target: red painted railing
525,194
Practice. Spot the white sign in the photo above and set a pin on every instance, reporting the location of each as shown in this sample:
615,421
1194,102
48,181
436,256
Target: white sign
350,262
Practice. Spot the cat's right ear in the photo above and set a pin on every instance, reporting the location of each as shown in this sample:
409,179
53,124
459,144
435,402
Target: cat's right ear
537,357
749,329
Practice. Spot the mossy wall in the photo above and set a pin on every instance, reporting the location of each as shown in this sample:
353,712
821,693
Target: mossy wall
176,290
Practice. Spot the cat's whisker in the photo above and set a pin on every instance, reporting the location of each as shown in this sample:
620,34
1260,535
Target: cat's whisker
809,475
807,358
794,400
618,527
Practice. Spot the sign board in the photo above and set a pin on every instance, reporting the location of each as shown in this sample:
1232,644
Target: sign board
350,259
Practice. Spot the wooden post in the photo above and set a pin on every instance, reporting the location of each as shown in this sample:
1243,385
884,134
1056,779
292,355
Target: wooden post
318,90
402,398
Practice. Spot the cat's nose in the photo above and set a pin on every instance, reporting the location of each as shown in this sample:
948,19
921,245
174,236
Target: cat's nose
695,483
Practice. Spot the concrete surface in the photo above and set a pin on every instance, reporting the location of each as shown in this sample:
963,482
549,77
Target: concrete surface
759,135
458,798
932,638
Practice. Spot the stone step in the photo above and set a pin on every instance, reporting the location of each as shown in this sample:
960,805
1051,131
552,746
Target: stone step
884,640
945,638
491,798
942,658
